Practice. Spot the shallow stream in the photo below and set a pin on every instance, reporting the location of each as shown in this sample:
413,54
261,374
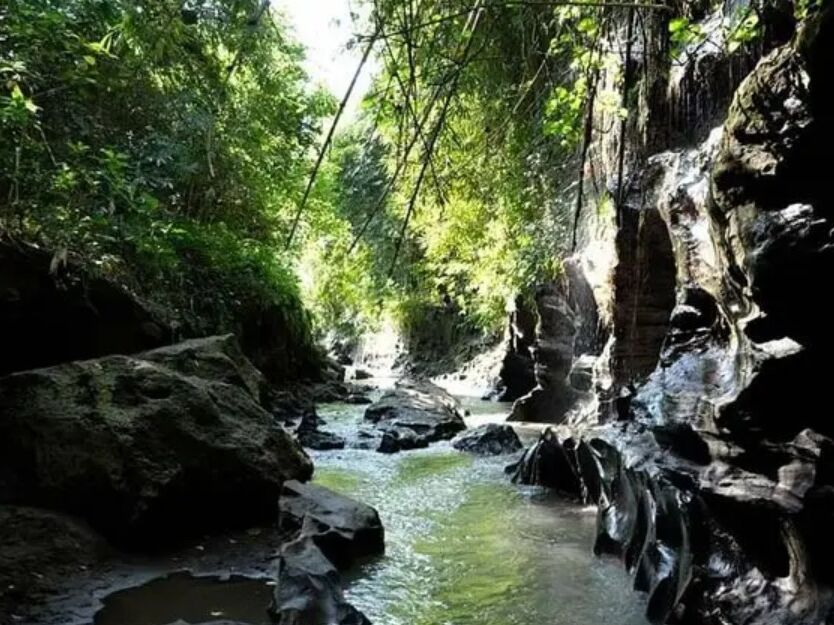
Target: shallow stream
467,547
464,547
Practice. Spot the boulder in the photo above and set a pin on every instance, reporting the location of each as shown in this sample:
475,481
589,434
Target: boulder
549,462
344,529
491,439
320,440
362,374
309,435
399,440
215,358
330,392
308,589
358,399
140,450
52,311
414,414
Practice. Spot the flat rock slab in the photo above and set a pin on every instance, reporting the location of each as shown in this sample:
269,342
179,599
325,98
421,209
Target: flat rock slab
414,414
492,439
344,529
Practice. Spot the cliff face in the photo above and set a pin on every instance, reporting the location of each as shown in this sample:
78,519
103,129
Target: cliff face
708,447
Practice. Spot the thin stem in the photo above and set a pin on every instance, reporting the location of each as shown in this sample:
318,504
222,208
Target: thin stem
328,140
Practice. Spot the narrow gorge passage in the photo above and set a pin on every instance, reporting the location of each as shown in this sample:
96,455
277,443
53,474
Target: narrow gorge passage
463,546
416,312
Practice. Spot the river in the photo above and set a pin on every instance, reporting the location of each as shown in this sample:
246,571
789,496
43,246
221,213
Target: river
464,546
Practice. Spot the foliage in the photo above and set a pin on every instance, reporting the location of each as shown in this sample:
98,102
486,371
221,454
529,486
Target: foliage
165,141
451,180
171,140
803,8
738,28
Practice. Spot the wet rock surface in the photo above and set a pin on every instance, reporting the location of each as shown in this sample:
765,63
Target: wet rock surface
71,590
308,590
54,570
412,415
492,439
549,462
553,353
142,451
39,550
713,475
567,327
516,376
345,530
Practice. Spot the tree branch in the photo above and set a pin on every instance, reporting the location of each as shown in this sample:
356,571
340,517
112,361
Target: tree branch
327,141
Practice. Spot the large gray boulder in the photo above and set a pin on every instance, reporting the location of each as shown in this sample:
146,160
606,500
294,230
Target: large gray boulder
214,358
140,450
344,529
414,414
310,436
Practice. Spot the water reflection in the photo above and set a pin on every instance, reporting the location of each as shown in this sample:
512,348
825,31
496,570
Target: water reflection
183,598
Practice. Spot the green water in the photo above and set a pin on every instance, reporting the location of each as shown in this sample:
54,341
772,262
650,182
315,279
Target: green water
463,547
466,547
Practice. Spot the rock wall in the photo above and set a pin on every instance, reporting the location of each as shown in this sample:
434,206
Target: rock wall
51,311
54,310
708,449
567,328
517,375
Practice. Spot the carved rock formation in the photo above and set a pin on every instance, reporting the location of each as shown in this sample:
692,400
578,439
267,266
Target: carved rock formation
517,375
714,470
